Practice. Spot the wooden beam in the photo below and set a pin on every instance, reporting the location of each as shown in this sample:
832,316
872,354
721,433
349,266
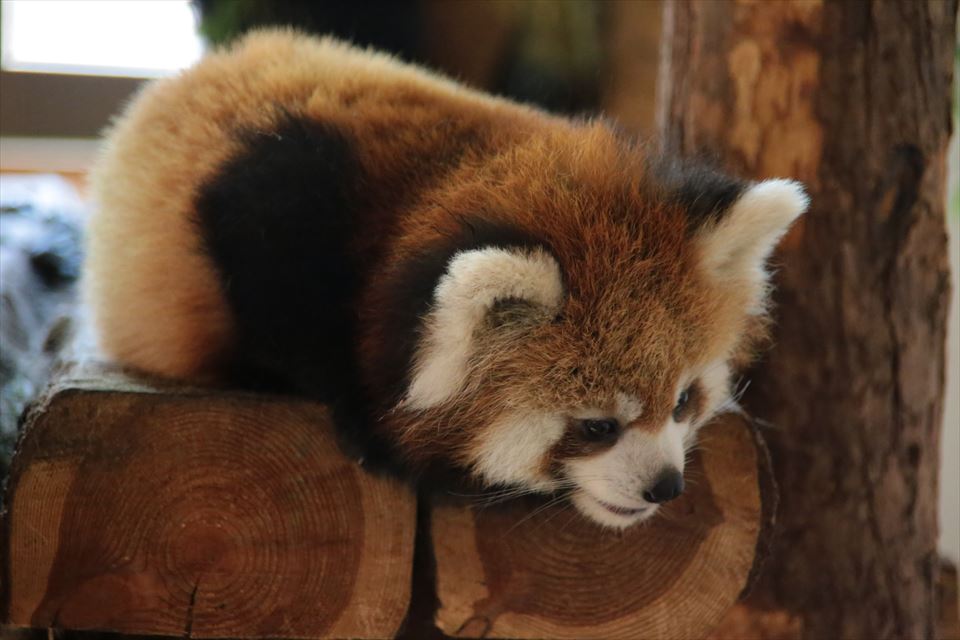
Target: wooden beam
148,509
513,572
199,513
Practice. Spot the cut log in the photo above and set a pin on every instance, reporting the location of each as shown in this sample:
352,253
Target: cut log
510,572
199,513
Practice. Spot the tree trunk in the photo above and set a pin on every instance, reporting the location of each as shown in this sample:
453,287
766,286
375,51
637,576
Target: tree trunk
631,38
852,98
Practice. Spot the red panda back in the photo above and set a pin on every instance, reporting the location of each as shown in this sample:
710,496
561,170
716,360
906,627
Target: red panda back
156,296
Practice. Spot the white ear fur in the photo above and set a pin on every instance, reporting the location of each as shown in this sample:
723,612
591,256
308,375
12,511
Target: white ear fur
474,281
735,250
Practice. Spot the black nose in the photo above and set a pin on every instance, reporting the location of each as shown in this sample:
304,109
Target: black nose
669,486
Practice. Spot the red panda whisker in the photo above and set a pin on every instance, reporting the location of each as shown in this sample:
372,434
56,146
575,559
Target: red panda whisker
540,509
566,506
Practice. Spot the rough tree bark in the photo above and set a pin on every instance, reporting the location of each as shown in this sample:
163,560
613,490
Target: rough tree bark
853,99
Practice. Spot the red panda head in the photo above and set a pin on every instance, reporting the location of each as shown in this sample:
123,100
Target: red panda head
588,324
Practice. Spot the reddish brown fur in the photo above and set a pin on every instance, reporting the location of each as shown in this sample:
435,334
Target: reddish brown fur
639,311
180,131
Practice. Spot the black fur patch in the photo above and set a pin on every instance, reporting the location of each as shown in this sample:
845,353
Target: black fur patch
277,220
412,287
705,194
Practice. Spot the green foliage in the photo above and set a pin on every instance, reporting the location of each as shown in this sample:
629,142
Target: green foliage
223,21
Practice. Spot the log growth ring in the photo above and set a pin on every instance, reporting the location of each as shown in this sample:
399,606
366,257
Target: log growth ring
504,573
215,516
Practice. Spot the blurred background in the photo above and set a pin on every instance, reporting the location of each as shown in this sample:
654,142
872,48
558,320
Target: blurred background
68,66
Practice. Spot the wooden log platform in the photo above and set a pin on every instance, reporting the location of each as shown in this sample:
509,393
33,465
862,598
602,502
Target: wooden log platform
199,513
528,571
144,509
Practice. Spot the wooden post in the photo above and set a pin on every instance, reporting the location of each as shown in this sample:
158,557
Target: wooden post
146,509
853,99
197,513
527,571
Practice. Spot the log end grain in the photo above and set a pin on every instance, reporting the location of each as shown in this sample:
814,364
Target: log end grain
515,573
201,514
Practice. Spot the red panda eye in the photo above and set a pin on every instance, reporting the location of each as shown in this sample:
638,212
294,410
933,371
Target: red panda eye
679,408
597,430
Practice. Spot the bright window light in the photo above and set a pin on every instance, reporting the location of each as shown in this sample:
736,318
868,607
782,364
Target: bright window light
139,38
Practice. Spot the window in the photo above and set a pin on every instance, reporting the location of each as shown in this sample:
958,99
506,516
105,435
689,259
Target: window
141,38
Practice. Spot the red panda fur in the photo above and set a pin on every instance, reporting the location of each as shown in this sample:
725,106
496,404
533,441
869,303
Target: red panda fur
273,132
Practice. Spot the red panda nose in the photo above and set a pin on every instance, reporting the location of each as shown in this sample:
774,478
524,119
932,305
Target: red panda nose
668,486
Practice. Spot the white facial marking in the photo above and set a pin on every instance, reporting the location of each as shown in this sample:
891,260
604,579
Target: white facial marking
474,281
618,477
629,407
514,448
610,485
715,384
735,250
601,513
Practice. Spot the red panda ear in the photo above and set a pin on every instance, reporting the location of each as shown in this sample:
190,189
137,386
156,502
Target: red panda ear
473,283
734,250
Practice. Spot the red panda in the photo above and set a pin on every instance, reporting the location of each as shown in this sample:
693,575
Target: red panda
483,292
